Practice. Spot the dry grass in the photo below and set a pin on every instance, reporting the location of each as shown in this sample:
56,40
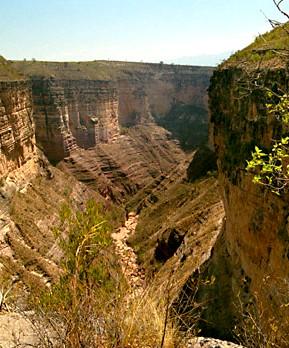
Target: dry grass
141,321
116,320
270,49
7,72
99,69
265,326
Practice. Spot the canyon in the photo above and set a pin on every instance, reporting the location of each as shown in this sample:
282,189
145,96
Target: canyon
68,137
139,139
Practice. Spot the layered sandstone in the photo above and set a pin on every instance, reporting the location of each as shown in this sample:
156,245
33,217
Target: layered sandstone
17,137
71,114
121,168
130,93
31,195
117,112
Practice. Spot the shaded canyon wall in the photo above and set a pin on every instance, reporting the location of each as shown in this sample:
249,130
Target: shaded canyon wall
250,261
32,193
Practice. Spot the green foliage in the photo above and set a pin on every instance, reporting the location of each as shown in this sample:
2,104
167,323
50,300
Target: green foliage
90,283
88,233
279,108
84,239
272,169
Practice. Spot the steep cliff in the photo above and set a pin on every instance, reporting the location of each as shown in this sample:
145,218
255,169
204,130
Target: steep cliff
250,260
72,114
142,93
17,141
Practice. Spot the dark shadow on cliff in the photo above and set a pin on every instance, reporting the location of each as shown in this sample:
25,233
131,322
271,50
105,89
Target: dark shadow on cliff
204,161
188,124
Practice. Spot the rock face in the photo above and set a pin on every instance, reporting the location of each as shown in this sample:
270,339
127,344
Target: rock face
17,137
173,97
132,161
89,100
250,260
203,162
72,114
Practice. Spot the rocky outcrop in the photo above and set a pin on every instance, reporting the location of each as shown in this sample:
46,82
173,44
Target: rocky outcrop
203,162
203,342
17,137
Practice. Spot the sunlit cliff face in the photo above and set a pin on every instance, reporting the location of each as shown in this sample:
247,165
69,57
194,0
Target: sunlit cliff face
17,139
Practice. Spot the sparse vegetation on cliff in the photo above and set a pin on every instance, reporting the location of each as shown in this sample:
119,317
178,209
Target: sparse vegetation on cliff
92,305
99,69
271,169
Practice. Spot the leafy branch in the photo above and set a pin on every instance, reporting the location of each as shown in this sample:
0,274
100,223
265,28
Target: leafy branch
272,169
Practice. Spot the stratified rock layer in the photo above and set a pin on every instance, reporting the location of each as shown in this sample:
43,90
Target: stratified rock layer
84,103
17,138
128,164
31,195
117,112
72,114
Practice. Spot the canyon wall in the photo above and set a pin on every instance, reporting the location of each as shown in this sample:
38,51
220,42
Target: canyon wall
84,103
250,261
105,122
174,97
17,137
32,193
73,113
104,131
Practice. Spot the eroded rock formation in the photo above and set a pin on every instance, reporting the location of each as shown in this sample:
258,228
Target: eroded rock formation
17,137
72,114
31,195
250,261
107,133
89,100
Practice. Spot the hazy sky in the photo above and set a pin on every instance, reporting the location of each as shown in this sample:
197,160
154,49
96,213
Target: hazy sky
134,30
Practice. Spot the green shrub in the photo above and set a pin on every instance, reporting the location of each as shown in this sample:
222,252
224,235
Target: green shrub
272,169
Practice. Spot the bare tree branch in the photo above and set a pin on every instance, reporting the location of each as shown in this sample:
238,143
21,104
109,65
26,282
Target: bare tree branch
278,5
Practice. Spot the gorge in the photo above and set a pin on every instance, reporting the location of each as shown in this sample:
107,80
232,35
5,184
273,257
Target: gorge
168,162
